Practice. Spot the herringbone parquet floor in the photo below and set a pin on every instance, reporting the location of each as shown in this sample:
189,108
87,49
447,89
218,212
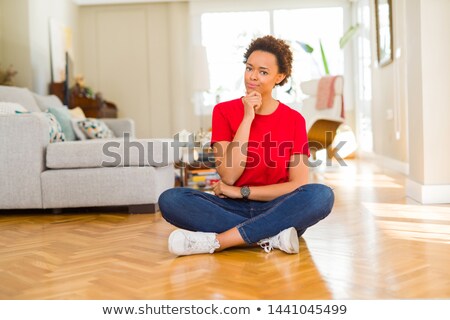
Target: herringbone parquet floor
375,244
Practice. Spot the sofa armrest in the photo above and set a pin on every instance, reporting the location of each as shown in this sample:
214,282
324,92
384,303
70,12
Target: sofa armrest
23,140
120,126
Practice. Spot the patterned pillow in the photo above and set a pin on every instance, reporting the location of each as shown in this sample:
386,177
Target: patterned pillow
11,108
62,114
76,128
55,131
45,102
95,129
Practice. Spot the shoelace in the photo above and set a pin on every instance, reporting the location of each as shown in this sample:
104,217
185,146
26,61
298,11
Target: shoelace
269,243
202,245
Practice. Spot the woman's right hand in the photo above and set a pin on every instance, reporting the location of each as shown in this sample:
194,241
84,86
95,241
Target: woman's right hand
252,103
223,190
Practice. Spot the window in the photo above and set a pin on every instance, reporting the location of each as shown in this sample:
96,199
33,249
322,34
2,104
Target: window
311,26
364,76
226,35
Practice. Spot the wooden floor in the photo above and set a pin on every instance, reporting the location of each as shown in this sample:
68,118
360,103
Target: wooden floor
375,244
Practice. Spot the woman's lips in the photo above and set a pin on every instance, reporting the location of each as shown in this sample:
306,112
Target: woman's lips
251,86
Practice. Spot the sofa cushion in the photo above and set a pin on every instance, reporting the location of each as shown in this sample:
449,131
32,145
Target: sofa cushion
65,120
104,186
98,153
46,102
22,96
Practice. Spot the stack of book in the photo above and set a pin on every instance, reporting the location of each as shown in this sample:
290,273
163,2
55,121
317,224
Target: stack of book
202,179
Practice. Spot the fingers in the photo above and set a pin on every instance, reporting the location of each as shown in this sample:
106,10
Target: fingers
254,94
216,189
253,99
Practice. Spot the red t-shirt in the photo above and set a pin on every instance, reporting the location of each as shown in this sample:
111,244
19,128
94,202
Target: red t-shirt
273,139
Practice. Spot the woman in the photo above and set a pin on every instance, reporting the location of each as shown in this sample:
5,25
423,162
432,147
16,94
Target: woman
261,153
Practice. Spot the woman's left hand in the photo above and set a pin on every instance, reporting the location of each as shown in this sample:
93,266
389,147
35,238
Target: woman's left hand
222,190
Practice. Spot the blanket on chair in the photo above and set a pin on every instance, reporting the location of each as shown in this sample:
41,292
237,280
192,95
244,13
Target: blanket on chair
326,93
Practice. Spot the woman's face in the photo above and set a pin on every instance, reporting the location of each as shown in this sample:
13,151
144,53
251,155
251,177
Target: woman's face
261,72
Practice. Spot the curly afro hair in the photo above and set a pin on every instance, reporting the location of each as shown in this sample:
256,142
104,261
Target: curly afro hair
277,47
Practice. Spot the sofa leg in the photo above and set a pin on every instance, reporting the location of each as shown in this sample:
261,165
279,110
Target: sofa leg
144,208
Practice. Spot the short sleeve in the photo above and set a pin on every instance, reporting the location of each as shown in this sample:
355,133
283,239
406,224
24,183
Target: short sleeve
300,136
221,129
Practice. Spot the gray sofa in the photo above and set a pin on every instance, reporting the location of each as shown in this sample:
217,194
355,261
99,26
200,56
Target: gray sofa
36,174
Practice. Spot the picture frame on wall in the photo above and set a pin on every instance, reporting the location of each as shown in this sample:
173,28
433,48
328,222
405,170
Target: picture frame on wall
383,25
60,45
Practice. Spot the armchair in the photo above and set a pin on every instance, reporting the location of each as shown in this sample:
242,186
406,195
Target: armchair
323,111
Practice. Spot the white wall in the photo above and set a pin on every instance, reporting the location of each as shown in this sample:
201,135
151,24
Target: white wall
415,97
389,106
416,84
429,96
435,22
1,34
137,56
24,38
40,11
15,42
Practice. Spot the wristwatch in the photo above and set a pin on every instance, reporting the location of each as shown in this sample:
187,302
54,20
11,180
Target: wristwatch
245,192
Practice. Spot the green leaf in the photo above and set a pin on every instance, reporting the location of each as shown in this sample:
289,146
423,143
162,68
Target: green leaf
306,47
348,35
324,59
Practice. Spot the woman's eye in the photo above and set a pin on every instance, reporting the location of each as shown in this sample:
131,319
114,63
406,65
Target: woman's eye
264,73
248,68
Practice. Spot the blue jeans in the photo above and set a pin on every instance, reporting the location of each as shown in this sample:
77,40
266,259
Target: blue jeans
255,220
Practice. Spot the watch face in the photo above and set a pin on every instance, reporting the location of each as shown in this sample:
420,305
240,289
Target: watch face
245,192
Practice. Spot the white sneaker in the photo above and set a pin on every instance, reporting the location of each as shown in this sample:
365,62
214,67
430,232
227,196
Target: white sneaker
286,240
184,242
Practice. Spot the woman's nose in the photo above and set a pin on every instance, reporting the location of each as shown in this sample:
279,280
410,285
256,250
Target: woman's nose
254,75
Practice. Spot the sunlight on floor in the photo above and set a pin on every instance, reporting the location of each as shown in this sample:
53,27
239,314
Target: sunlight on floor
412,222
361,180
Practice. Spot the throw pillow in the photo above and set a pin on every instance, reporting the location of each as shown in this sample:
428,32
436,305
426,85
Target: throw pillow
22,96
95,129
45,102
65,120
11,108
76,128
77,113
55,131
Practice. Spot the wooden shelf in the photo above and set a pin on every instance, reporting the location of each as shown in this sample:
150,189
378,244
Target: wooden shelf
92,107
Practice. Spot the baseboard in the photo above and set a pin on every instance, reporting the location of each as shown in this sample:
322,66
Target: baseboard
144,208
428,194
385,162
